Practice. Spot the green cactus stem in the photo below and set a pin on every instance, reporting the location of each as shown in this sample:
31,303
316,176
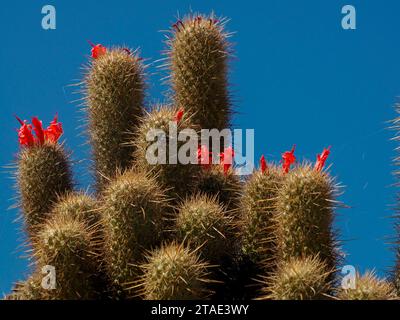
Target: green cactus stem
114,93
198,54
133,213
174,272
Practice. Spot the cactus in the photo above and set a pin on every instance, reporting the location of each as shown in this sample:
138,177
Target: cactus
298,279
275,226
174,272
257,209
198,53
67,244
43,171
368,287
304,216
178,178
204,224
132,216
114,87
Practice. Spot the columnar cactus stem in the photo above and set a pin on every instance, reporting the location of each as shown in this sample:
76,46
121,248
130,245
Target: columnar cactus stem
177,177
174,272
43,175
298,279
67,244
114,86
257,209
304,216
198,53
132,215
202,222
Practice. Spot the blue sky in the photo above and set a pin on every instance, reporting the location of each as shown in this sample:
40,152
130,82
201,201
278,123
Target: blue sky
297,77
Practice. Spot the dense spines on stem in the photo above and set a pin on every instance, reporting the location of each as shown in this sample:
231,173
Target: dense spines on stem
133,208
202,222
368,287
198,54
304,216
298,279
43,175
174,272
177,177
114,87
257,214
226,186
68,245
78,205
29,289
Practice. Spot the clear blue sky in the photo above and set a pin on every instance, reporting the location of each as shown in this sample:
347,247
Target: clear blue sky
298,77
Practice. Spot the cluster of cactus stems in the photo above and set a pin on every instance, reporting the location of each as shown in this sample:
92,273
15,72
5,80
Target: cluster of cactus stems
176,231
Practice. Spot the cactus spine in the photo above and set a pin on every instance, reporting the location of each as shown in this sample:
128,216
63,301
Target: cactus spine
198,63
114,86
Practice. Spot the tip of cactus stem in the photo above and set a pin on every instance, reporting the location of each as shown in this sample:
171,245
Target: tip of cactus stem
263,165
97,50
299,279
368,287
174,272
51,134
288,158
321,159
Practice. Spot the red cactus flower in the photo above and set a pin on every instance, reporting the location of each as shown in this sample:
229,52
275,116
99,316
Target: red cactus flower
179,115
263,165
25,136
226,158
54,130
288,159
97,50
204,156
321,159
51,134
38,128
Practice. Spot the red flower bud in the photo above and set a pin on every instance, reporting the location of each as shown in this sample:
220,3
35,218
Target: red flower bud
321,159
263,165
288,159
